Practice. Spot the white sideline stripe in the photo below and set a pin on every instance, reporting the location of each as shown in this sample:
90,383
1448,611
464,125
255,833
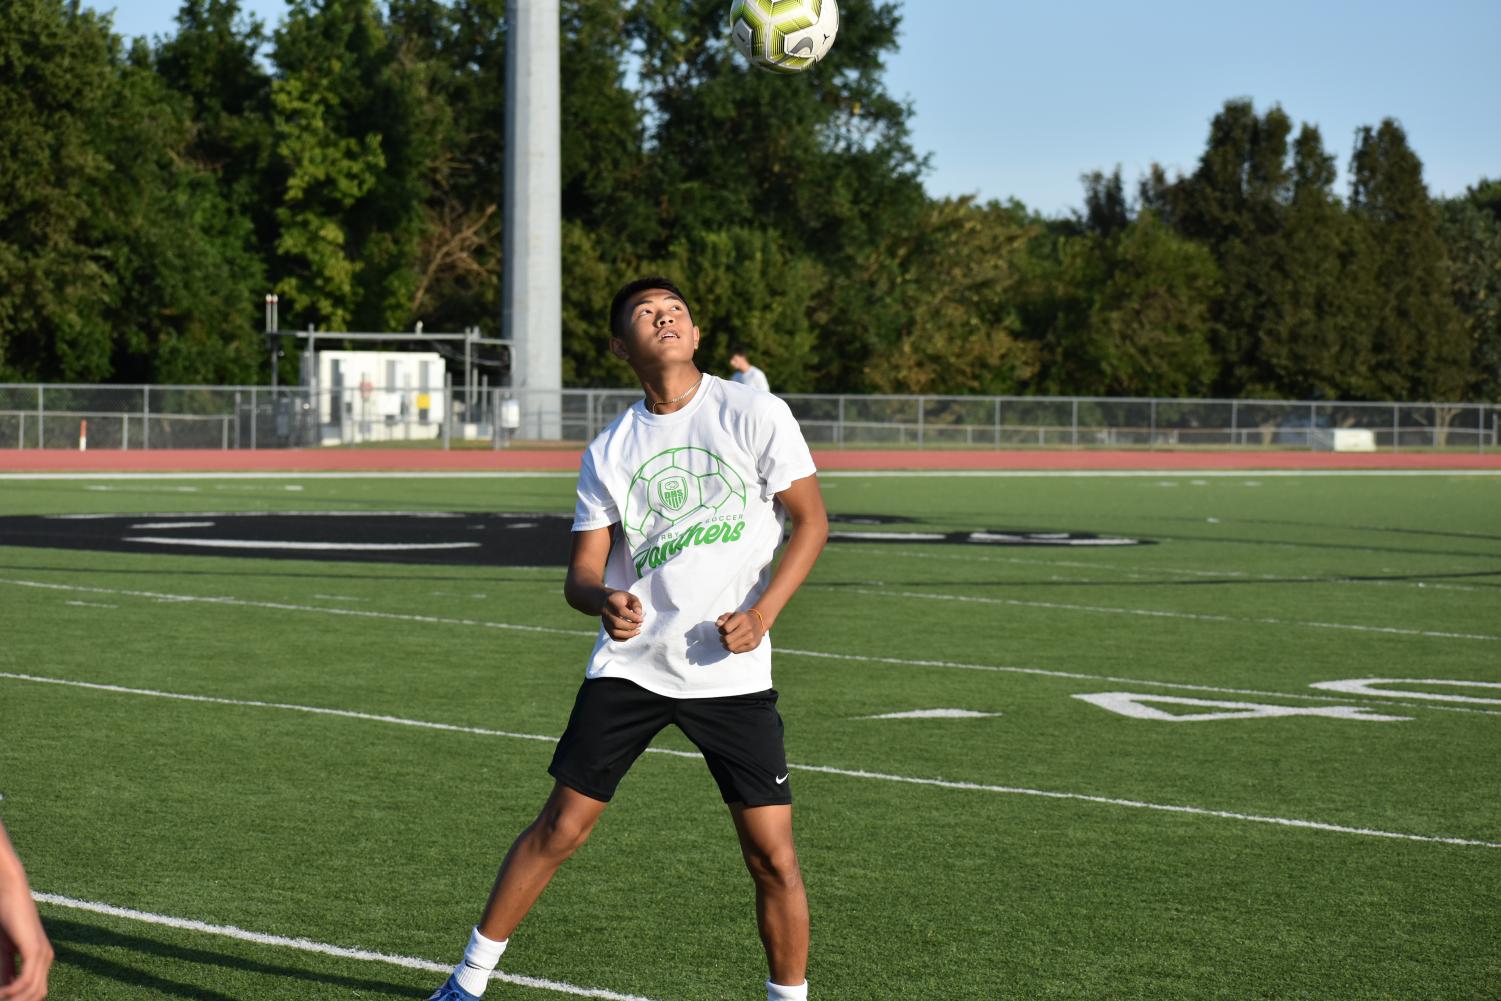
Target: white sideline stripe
786,651
822,769
924,474
282,606
1160,614
321,948
1138,572
1134,804
293,707
1112,679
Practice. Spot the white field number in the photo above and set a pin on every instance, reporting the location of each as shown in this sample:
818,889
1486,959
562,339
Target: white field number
1380,687
1136,706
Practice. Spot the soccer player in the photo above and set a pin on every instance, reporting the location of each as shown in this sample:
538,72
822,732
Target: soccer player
21,933
681,506
747,374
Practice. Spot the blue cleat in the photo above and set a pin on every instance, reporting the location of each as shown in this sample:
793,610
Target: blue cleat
451,991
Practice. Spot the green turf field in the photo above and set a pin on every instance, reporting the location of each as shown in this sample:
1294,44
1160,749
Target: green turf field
1318,857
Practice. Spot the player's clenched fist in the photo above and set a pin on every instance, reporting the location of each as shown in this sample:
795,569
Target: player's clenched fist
740,632
621,615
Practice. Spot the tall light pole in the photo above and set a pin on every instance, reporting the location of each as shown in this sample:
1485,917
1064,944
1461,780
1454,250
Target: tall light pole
532,304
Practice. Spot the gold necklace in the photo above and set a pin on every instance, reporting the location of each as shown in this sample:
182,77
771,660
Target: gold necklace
667,403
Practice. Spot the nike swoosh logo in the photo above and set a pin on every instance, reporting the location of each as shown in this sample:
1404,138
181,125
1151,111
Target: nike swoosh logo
782,779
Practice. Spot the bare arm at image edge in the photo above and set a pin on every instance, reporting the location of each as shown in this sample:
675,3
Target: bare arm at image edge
21,934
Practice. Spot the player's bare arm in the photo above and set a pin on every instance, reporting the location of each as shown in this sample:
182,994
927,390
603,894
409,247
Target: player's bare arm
803,502
584,588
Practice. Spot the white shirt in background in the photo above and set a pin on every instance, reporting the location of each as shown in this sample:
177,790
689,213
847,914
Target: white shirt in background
754,378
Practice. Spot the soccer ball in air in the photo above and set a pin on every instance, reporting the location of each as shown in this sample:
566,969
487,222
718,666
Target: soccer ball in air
678,488
784,36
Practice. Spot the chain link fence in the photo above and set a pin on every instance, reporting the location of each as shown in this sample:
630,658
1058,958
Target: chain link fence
230,417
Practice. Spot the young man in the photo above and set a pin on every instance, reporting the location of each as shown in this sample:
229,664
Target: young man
747,374
681,506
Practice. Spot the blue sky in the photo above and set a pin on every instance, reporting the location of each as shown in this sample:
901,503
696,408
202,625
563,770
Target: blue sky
1017,100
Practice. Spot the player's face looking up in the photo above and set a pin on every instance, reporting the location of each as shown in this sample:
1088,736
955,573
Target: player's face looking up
657,325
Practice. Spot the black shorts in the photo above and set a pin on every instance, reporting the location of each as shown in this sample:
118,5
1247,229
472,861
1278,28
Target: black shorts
740,737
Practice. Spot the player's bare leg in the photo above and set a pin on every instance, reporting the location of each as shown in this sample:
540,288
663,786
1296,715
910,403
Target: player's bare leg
781,903
559,830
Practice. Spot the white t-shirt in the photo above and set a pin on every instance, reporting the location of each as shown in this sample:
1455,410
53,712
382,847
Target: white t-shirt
694,494
754,378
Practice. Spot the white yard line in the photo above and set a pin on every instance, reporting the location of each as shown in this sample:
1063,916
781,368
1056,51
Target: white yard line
321,948
856,658
283,606
887,592
1139,572
822,769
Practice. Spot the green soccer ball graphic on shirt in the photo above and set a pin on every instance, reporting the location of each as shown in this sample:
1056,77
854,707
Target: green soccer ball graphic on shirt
680,487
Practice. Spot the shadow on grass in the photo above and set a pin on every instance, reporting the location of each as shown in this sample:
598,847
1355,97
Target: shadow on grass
73,942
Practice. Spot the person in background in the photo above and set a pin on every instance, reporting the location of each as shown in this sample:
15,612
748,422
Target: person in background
747,374
21,934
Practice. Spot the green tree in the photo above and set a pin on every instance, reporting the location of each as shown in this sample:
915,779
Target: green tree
1236,203
949,284
352,145
1418,339
1125,312
56,74
188,280
118,256
1315,343
1471,230
214,62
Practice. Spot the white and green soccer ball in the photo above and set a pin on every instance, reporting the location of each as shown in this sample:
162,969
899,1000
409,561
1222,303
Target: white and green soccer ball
784,36
680,487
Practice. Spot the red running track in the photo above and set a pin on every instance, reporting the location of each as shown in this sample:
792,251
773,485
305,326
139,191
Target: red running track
475,460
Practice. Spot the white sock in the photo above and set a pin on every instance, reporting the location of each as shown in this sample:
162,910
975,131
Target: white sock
779,992
473,974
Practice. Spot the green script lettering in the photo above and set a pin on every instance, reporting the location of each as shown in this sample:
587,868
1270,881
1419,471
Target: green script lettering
697,535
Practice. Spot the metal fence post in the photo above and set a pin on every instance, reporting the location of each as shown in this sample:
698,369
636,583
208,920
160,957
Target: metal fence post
40,416
145,416
1074,431
997,422
921,406
1396,426
447,410
839,427
255,413
1234,420
1152,432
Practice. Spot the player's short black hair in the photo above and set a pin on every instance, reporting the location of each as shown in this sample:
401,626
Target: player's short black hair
739,349
622,299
